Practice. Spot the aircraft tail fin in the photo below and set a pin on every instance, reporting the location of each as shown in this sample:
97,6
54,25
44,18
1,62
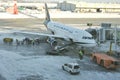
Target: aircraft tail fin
47,18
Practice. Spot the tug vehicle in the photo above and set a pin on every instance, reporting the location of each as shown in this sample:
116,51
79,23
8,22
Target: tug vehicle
105,60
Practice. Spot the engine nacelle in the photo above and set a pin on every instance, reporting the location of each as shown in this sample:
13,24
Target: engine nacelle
52,41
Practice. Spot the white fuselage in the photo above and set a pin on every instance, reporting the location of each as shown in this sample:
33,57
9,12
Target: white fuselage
78,36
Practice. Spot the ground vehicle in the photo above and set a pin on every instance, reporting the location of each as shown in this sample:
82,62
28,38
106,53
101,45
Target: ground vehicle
57,51
105,60
8,40
72,68
52,52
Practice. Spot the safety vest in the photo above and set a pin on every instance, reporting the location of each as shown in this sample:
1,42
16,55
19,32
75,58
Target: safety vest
81,53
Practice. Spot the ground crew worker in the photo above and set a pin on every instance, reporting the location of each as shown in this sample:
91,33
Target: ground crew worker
80,54
33,42
82,49
17,42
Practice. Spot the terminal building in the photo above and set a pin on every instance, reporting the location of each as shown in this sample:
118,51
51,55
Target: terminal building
73,6
89,7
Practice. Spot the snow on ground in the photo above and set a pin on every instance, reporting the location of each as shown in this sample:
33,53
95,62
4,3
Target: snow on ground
13,66
63,14
9,15
25,14
16,67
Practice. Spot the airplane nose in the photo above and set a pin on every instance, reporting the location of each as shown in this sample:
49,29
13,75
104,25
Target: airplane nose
94,43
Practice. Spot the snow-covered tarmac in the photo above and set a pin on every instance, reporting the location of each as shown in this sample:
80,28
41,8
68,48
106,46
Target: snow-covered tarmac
8,15
16,67
24,14
29,63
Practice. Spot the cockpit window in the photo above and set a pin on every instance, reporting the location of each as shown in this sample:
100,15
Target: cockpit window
85,37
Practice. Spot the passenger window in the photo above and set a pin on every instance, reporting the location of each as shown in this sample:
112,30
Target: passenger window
84,37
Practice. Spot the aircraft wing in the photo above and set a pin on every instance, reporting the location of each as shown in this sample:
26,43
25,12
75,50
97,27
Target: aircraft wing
42,34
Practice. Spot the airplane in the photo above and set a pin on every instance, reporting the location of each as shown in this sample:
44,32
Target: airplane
59,30
68,33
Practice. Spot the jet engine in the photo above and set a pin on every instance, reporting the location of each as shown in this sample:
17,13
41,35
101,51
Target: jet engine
52,41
